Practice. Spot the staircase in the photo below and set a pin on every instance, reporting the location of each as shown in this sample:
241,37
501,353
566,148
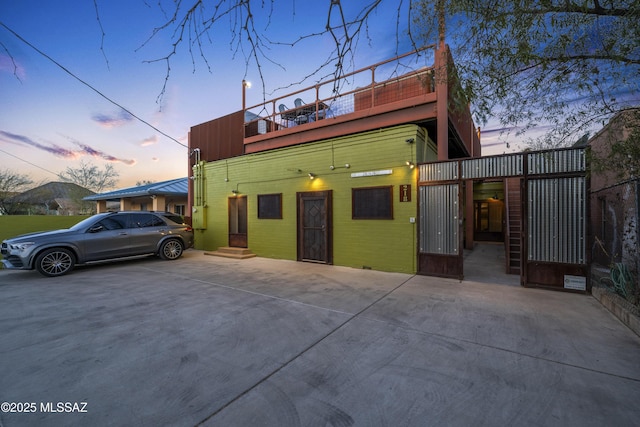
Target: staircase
230,252
513,241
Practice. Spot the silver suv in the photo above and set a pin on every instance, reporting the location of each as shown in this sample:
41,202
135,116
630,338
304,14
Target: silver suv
102,237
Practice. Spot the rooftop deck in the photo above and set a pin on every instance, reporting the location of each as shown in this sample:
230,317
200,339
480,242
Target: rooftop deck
397,91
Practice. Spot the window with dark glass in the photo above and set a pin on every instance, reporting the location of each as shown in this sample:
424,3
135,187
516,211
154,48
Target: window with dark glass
147,220
113,223
270,206
372,202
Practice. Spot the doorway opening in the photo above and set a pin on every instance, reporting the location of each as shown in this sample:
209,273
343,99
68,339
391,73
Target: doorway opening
238,222
488,261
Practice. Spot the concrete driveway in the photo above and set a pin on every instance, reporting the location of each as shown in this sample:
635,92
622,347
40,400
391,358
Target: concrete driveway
219,342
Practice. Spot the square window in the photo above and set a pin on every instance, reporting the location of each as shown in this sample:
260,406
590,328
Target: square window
270,206
372,202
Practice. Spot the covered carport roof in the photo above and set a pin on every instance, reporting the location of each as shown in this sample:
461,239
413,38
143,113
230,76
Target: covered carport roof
174,187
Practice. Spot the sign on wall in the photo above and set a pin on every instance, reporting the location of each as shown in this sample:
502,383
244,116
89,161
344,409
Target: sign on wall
405,192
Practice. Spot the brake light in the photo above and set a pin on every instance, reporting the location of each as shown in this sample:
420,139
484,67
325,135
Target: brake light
188,228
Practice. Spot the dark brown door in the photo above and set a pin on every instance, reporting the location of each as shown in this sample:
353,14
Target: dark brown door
238,222
314,227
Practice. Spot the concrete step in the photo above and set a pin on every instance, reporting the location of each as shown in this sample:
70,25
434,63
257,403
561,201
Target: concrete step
229,252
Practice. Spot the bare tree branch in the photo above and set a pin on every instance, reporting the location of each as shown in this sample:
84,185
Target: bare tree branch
102,33
192,25
13,62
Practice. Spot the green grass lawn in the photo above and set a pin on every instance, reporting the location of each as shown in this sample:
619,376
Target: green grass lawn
14,225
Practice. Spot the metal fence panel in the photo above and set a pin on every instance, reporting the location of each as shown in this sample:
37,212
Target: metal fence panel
489,167
439,223
441,171
557,220
557,161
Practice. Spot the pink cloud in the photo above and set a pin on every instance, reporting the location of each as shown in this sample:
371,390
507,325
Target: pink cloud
59,151
149,141
54,149
110,121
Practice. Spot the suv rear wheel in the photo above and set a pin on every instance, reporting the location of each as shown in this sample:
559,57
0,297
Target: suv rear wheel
171,249
55,262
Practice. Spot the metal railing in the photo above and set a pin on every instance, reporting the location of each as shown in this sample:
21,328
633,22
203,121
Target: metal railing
401,77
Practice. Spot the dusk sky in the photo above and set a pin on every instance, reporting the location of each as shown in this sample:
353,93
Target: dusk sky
49,120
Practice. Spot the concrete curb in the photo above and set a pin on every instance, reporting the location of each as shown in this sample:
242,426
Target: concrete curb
620,308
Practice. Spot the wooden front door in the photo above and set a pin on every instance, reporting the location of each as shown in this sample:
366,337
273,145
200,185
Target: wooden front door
314,227
238,222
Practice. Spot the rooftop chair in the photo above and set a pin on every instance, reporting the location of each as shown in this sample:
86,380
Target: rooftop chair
283,121
301,117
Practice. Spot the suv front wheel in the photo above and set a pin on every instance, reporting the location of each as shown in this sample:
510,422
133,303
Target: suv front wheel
55,262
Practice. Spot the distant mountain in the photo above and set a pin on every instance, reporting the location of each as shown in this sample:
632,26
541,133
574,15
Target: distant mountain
47,193
59,198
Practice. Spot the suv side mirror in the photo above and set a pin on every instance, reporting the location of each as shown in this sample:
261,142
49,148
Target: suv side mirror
96,229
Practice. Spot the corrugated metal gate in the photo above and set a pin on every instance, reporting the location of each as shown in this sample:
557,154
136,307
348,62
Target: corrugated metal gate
554,214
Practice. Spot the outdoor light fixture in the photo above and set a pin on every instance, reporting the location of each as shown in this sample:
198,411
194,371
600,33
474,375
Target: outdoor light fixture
410,162
346,166
245,85
235,192
311,175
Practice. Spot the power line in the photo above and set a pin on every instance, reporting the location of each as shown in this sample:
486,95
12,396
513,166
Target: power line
89,86
26,161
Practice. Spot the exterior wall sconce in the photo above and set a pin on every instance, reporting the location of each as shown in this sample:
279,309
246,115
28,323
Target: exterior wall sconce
346,166
235,192
410,164
312,175
409,140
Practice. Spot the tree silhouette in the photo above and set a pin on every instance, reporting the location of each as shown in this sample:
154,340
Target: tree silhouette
91,177
11,183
